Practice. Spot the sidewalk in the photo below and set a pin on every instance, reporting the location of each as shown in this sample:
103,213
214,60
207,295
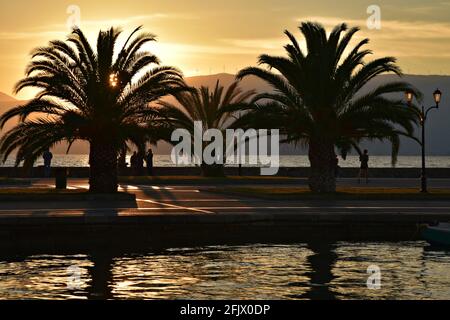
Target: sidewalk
184,215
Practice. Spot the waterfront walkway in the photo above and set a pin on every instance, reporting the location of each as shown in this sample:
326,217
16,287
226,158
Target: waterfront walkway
182,215
164,200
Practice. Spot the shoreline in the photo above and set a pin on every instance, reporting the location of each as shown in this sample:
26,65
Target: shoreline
87,233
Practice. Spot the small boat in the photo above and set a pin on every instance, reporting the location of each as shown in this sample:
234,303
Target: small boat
438,235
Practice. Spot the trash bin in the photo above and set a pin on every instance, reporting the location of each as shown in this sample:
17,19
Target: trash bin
61,178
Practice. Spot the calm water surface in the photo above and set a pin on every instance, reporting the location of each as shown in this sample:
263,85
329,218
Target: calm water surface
408,271
285,161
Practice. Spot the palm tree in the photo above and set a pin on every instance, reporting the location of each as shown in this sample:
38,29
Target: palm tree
317,99
101,96
207,106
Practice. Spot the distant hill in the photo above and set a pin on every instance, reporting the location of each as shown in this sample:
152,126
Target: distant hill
6,103
438,129
5,98
438,125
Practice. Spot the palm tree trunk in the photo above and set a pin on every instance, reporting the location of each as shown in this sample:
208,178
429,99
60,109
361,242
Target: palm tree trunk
322,178
103,168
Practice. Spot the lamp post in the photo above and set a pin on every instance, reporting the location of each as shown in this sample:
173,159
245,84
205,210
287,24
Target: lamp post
423,118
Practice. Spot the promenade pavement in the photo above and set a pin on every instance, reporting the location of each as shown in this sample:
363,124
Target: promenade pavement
194,200
192,216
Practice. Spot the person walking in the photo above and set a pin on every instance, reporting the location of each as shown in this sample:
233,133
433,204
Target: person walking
364,169
133,163
48,156
122,160
149,161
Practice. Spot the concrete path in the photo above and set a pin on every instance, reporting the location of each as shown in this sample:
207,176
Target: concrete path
191,200
185,215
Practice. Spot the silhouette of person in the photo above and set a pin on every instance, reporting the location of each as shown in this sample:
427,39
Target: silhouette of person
134,163
336,166
48,156
122,160
149,161
140,163
364,169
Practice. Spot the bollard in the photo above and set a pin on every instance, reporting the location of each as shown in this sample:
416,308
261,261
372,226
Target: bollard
61,178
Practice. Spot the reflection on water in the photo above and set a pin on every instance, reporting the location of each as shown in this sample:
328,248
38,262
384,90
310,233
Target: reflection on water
303,271
42,277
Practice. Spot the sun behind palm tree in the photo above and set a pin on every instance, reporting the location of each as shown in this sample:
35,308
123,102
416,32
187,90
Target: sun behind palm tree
318,102
100,96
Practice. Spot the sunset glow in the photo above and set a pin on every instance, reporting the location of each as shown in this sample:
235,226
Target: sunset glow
203,37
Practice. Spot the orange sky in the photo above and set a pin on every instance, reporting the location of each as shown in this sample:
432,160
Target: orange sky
203,37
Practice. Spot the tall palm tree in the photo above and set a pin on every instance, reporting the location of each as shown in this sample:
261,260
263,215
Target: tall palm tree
318,101
101,96
207,106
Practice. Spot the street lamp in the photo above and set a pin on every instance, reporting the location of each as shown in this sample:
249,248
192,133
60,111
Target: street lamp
437,95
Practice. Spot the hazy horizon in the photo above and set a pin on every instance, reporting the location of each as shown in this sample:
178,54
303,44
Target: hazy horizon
7,96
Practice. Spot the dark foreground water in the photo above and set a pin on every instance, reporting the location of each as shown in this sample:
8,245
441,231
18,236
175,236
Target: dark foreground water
407,271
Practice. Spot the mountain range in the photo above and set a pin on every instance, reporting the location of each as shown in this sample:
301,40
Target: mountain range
438,125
